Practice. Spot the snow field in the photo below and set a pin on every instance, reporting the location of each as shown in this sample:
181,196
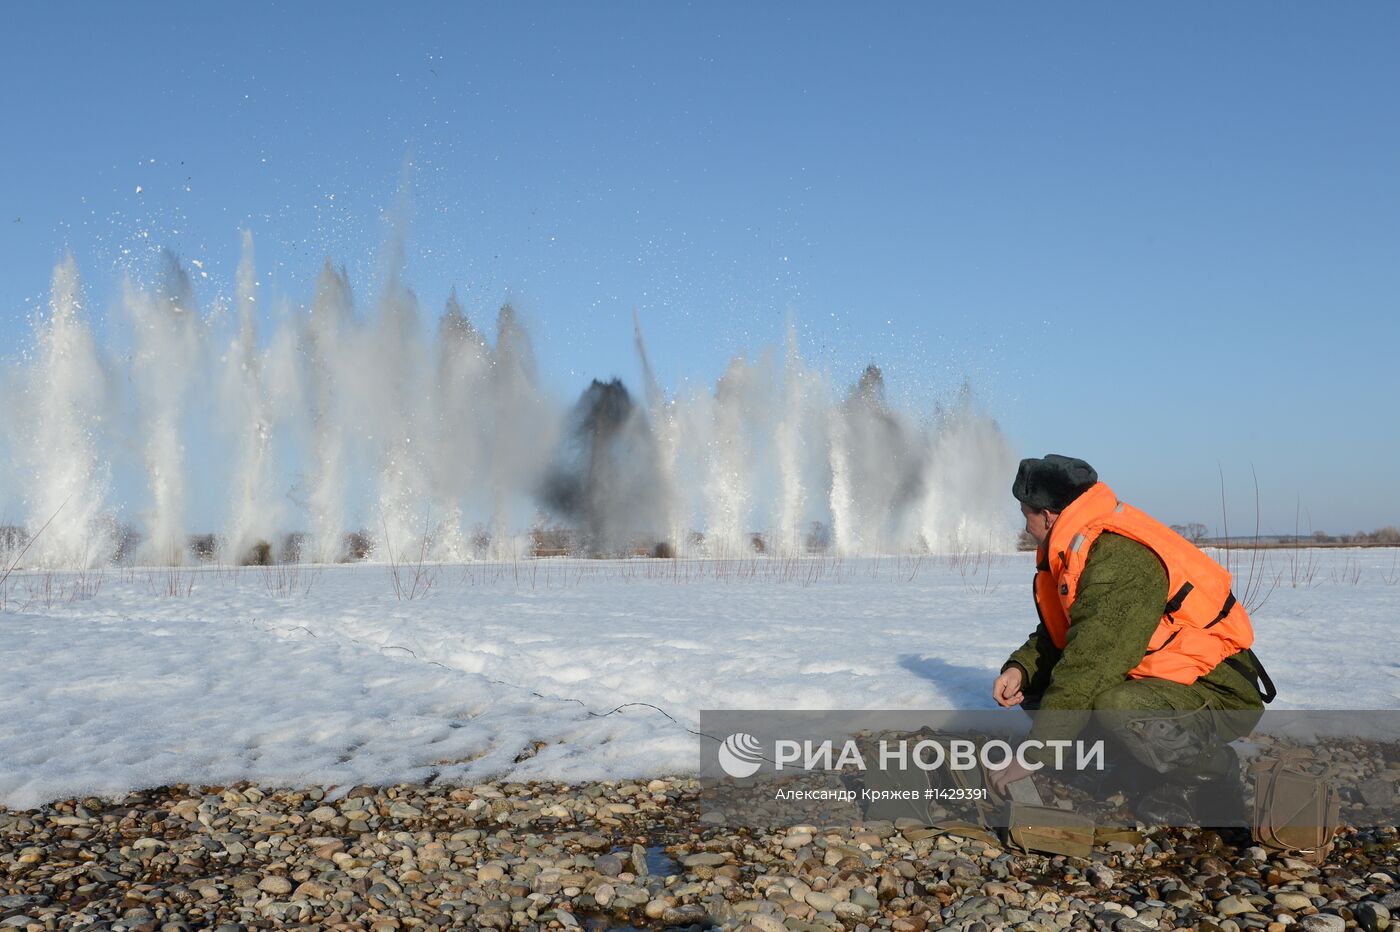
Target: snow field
126,678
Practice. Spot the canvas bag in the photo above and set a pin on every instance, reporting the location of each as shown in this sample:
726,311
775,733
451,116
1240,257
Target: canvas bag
1294,811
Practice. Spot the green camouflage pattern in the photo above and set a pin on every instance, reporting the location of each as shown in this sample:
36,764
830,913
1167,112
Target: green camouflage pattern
1118,606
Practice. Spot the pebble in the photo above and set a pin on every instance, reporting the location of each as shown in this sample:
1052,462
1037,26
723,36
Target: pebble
639,861
1373,917
1233,906
497,856
1100,876
402,810
277,886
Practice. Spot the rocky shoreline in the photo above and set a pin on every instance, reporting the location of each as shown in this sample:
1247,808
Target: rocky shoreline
630,855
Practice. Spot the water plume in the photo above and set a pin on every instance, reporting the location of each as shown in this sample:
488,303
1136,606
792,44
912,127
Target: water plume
523,430
324,433
254,516
328,350
666,429
169,344
461,434
68,392
395,409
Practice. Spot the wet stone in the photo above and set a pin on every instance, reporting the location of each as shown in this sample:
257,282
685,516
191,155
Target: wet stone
1322,922
1292,901
277,886
175,858
1373,917
1233,906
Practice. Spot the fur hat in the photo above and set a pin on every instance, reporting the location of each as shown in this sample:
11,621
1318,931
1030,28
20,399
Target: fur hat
1053,482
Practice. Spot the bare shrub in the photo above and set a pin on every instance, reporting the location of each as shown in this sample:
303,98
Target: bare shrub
5,576
1194,532
1302,571
414,580
1392,577
1349,573
1388,536
287,579
172,581
42,589
85,584
1258,585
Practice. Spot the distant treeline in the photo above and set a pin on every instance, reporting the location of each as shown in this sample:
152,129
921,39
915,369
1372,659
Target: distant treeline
1382,537
1388,536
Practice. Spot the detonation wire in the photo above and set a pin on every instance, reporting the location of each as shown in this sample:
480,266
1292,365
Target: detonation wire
30,543
539,695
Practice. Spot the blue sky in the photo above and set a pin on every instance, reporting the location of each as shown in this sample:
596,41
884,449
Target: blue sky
1165,238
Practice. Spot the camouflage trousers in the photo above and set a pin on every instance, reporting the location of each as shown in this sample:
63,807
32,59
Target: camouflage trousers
1168,726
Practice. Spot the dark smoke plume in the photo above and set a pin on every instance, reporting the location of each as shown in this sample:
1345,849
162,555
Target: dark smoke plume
606,481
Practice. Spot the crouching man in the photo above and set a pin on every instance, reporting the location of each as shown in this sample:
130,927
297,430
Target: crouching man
1139,630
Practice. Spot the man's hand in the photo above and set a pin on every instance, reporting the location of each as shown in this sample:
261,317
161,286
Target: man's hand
1003,778
1007,688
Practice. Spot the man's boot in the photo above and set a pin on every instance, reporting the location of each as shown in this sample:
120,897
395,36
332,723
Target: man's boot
1166,802
1217,794
1121,773
1208,792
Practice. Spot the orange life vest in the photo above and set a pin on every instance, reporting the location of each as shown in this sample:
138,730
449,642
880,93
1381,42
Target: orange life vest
1202,622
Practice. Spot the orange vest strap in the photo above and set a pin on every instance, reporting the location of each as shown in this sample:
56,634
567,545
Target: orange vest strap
1175,602
1229,606
1267,691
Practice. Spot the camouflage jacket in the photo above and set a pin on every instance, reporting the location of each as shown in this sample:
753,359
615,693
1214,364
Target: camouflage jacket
1118,606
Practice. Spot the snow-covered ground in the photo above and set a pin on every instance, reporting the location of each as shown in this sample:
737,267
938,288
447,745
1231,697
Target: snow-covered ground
129,678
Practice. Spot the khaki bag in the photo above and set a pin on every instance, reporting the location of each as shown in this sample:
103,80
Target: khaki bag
1033,826
1050,830
1294,811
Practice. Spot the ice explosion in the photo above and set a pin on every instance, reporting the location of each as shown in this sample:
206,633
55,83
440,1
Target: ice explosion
350,435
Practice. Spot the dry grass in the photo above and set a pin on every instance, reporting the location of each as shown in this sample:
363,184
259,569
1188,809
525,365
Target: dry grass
1392,577
799,571
1258,585
288,579
414,580
174,582
1349,573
